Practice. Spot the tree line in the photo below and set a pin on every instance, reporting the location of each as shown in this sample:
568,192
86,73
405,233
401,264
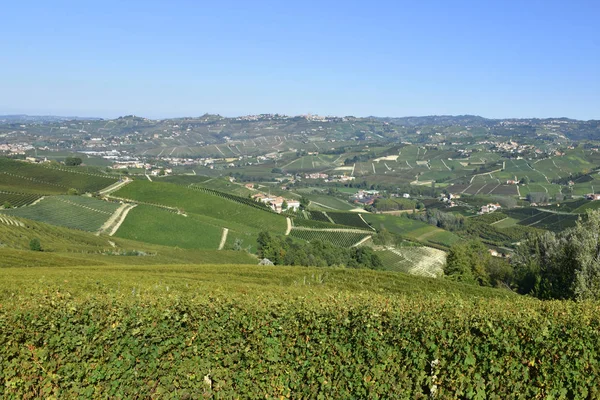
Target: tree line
282,250
546,265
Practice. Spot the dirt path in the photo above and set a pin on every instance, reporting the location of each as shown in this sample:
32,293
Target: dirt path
223,238
112,219
115,187
289,226
362,241
122,218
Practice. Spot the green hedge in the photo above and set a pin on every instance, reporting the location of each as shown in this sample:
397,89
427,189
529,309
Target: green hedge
115,343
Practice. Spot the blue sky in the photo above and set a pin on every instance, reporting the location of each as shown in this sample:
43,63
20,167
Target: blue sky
387,58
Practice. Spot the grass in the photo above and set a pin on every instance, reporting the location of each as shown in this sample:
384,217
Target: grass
506,222
75,212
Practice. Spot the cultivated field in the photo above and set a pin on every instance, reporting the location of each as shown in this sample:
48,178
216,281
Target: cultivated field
75,212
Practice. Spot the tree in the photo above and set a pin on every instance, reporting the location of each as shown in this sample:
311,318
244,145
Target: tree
35,245
468,262
72,192
304,202
7,205
73,161
284,205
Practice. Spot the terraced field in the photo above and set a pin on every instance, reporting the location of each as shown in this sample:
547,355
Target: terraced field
75,212
22,177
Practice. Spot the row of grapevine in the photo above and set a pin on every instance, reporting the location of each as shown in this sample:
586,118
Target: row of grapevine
348,219
33,177
309,223
317,216
55,210
338,238
17,199
238,199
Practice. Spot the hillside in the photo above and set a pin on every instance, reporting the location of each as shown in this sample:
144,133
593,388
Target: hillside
219,331
202,203
23,177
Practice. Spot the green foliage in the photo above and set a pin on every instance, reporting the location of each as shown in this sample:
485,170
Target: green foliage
73,192
73,161
393,204
35,245
467,262
286,251
564,265
7,205
255,332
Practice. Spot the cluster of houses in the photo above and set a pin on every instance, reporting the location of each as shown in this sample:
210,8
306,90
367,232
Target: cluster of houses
489,208
329,178
449,198
365,197
277,203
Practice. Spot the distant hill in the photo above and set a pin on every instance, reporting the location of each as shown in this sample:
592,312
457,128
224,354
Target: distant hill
24,118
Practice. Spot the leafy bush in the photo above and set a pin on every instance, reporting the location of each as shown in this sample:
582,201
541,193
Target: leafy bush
144,339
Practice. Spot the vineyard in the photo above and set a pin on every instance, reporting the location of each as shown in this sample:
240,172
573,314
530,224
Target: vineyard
415,260
75,212
309,223
17,199
238,199
201,202
337,237
31,178
348,219
307,333
155,225
543,219
317,216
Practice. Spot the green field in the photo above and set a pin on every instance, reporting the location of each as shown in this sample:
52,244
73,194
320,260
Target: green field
18,176
75,212
202,203
159,226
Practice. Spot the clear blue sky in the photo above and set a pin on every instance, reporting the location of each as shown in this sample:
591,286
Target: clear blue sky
523,58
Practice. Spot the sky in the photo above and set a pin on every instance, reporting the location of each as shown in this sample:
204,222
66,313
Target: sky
161,59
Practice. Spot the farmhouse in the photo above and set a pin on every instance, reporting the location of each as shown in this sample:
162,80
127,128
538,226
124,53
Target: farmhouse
489,208
592,196
276,203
